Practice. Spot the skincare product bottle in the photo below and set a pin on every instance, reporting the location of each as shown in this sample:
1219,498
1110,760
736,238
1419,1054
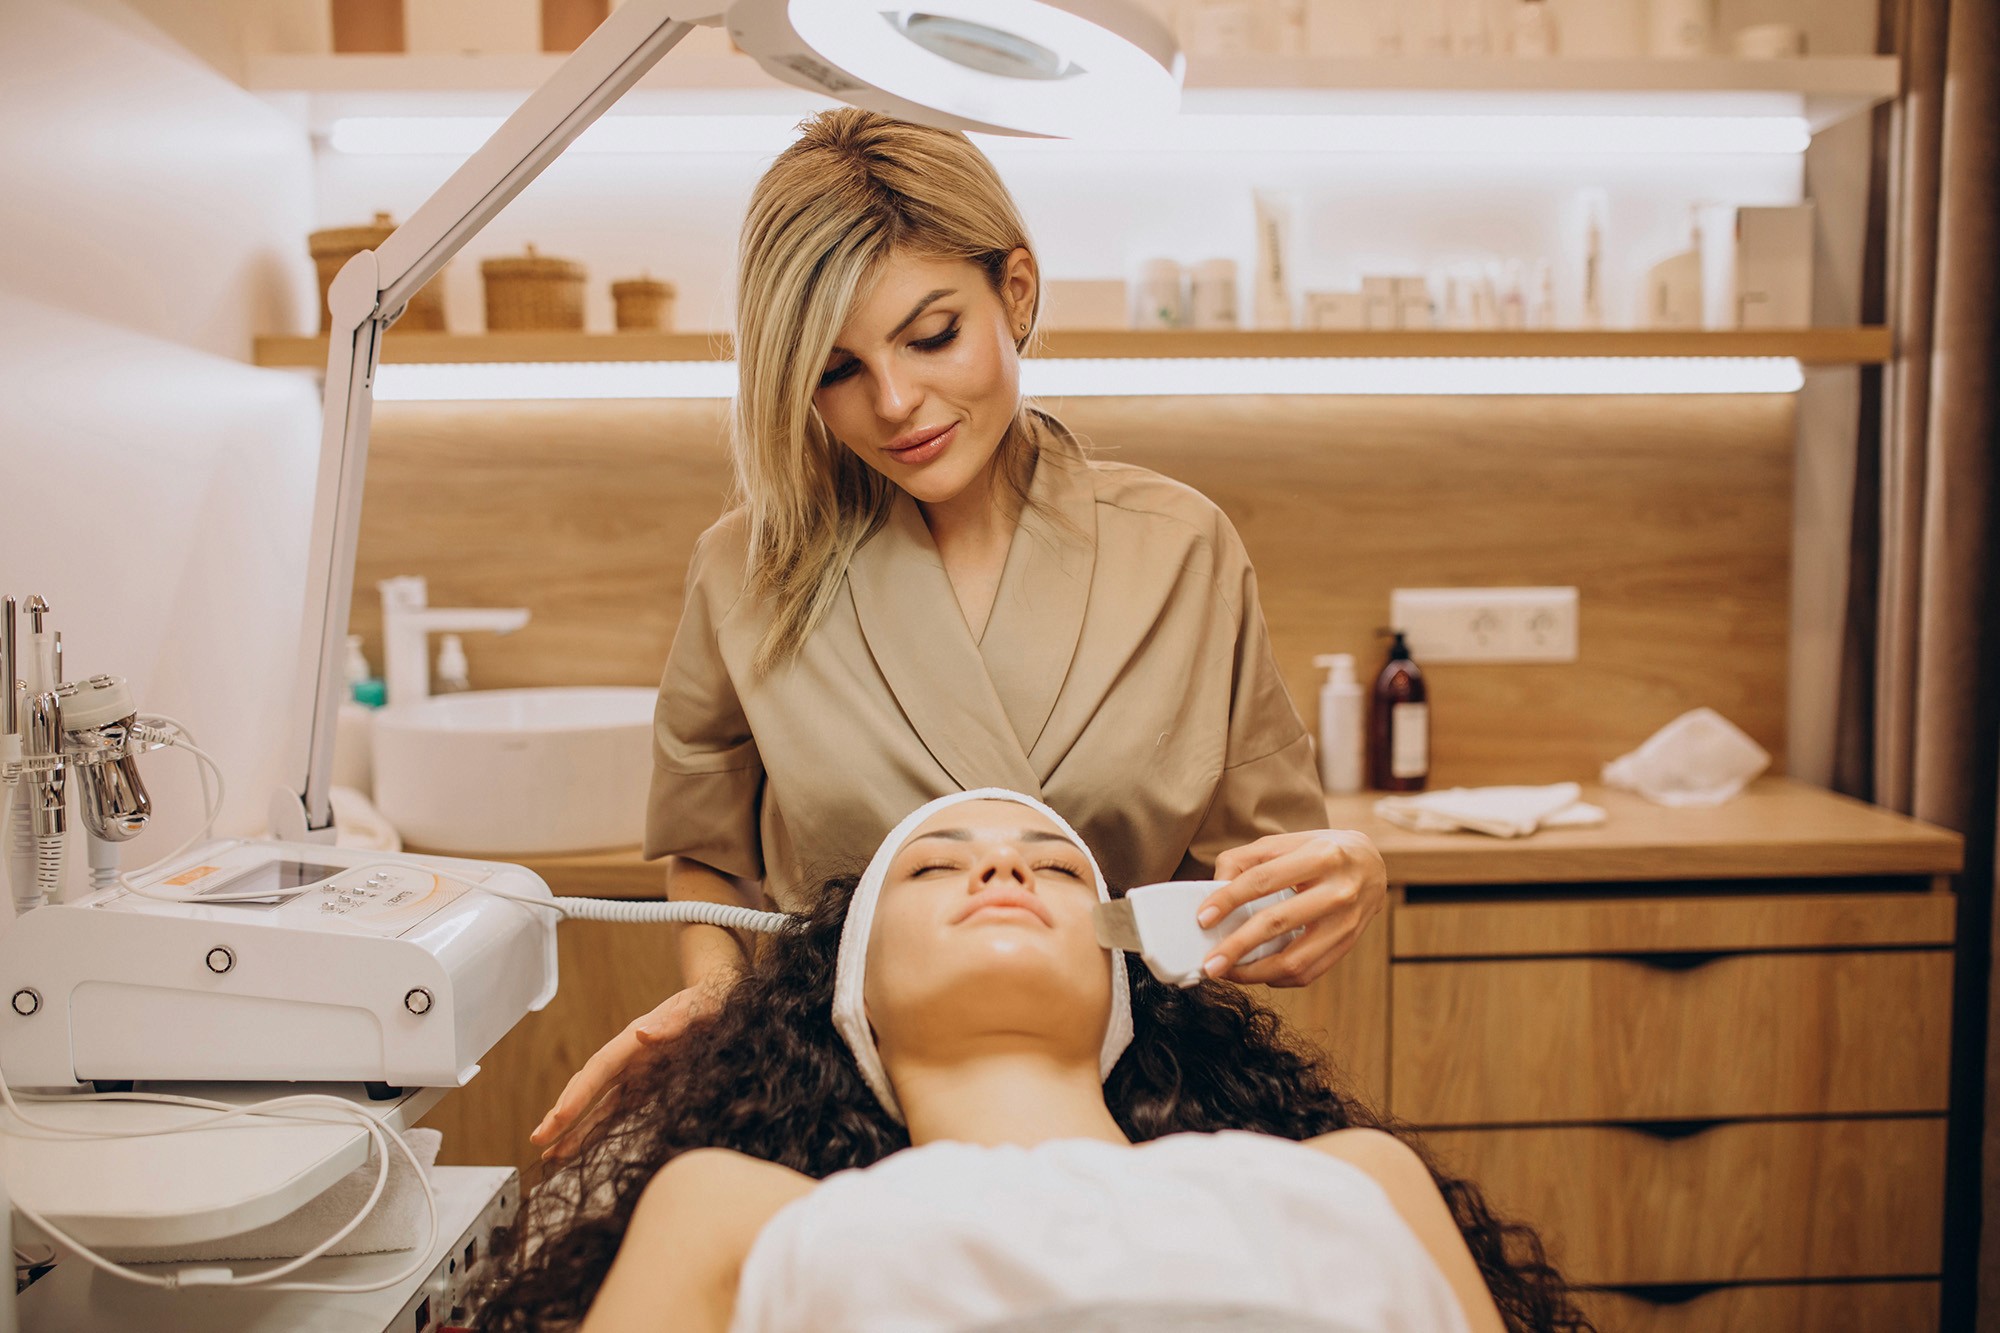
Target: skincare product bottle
1594,205
1158,302
1544,316
1340,716
453,676
1534,34
357,662
1678,29
363,685
1272,290
1212,295
1399,724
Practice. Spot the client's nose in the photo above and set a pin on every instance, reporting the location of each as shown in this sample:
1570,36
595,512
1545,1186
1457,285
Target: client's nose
1000,866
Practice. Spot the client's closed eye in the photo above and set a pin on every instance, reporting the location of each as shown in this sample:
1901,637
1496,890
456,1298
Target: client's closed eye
1075,872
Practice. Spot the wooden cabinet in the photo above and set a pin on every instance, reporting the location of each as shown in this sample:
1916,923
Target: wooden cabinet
1705,1053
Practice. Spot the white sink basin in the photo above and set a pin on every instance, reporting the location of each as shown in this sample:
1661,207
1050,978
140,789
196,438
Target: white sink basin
532,772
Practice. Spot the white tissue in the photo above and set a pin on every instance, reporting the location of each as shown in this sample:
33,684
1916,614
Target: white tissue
1699,758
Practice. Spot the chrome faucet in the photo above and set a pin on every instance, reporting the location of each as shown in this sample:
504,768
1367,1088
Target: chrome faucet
408,621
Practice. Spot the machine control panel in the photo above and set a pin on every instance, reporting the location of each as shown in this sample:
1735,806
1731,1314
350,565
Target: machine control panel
380,898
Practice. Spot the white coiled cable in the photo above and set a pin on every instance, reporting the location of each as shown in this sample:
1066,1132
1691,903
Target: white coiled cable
622,910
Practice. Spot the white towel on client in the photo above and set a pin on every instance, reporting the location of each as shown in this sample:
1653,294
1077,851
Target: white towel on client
954,1235
1503,812
399,1221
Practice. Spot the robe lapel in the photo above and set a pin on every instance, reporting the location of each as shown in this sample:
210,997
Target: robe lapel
910,616
1031,635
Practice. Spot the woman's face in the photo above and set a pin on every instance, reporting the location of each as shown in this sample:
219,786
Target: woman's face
984,929
924,378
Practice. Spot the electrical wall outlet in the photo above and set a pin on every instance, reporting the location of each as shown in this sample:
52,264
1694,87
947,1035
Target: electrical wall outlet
1487,624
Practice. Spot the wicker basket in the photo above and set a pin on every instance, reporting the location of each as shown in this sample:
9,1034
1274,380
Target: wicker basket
533,292
336,245
644,305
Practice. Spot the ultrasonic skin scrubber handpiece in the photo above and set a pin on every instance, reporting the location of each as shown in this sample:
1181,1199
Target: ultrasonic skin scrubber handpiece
1157,922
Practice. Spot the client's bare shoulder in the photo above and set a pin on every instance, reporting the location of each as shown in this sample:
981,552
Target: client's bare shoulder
1395,1166
689,1236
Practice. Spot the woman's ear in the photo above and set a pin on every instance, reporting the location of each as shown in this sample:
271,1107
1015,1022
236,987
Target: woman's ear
1020,284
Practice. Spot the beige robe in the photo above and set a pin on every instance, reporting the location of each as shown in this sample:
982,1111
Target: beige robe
1124,676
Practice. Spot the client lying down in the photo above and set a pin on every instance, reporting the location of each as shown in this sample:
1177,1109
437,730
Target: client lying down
1042,1139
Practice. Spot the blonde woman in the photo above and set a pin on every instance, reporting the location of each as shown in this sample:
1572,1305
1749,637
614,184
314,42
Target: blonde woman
926,587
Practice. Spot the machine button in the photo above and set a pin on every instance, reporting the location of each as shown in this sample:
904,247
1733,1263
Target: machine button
418,1001
27,1001
220,960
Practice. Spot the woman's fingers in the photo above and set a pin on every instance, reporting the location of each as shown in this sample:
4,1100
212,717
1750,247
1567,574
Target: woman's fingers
1332,908
1284,868
1303,961
588,1084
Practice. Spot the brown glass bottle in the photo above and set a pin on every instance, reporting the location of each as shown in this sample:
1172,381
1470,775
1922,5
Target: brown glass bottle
1399,731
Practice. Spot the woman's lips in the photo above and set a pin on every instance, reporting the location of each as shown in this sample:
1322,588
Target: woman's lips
1004,901
925,451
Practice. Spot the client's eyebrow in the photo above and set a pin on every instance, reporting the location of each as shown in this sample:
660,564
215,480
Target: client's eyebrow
1019,835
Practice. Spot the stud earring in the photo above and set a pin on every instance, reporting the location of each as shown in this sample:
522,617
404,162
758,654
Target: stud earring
1024,328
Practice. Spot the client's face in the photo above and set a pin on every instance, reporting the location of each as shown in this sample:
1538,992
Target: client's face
984,933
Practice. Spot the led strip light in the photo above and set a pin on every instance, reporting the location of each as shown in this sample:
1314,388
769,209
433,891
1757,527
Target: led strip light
1141,377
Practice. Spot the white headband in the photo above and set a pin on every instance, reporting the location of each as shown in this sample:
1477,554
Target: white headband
850,1014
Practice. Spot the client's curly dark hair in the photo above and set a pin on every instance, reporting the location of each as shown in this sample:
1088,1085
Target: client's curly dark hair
768,1076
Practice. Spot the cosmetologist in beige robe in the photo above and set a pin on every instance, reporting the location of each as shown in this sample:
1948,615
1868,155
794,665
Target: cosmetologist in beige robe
1124,677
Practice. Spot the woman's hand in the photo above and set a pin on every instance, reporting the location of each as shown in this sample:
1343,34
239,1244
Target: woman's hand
1341,885
583,1098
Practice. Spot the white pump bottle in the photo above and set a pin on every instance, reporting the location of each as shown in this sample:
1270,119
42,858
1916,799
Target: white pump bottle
1340,723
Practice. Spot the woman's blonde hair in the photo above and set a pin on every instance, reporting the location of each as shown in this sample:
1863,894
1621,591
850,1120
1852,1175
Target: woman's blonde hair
853,188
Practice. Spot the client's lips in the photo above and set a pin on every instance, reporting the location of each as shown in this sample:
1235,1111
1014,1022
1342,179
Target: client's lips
1004,898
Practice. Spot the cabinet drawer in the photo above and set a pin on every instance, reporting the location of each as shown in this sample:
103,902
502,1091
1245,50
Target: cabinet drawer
1582,1039
1748,1201
1845,1307
1659,921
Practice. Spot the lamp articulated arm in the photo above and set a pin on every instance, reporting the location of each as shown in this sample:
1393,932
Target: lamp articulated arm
367,295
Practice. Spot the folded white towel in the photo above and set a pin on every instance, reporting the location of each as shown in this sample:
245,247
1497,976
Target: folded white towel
399,1221
357,823
1503,812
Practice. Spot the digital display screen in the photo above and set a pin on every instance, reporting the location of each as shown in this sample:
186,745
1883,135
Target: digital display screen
280,879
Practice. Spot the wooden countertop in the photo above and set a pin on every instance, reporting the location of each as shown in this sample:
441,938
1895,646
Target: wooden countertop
1778,828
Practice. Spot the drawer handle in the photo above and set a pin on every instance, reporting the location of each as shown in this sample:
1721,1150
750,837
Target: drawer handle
1682,960
1670,1131
1670,1293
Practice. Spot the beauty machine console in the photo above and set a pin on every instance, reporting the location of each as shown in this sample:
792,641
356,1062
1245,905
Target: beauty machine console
353,967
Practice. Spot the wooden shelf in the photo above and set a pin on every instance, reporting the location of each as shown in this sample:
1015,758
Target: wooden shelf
1819,347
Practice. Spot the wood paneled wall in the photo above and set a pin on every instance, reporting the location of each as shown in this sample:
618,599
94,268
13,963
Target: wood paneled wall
1672,515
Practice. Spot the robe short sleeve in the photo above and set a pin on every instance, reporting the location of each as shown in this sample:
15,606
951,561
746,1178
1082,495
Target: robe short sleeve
708,778
1269,782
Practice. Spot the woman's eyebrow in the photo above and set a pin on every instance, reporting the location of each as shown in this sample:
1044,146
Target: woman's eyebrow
908,319
911,318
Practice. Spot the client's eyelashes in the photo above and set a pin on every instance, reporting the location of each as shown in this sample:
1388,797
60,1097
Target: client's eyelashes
1074,872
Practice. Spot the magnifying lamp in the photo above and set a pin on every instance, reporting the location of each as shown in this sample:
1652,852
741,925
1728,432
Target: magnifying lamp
1027,67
